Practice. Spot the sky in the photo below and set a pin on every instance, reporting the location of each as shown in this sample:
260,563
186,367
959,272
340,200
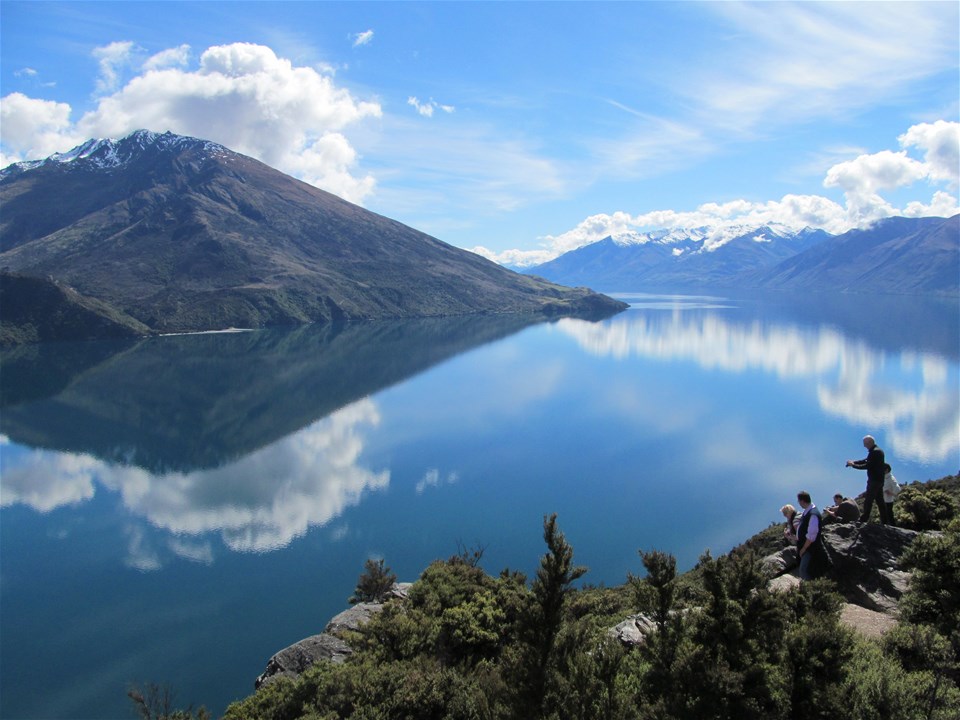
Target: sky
521,130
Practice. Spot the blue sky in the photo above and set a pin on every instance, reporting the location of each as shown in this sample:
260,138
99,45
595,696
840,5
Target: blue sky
521,129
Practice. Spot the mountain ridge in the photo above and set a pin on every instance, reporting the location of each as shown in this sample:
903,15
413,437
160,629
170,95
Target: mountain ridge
895,255
182,234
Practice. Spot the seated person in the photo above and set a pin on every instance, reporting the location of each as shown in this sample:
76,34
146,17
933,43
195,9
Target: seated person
843,510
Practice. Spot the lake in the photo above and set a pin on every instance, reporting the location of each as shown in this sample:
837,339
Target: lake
176,510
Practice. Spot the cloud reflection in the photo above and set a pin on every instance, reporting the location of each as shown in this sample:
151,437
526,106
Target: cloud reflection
907,395
259,503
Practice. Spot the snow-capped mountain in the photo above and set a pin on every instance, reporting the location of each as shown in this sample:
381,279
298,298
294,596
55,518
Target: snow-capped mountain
107,154
678,258
897,255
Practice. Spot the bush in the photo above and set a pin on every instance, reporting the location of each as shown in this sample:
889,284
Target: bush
919,508
374,583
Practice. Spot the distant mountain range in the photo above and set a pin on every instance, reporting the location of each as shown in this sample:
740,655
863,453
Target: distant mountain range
896,255
165,233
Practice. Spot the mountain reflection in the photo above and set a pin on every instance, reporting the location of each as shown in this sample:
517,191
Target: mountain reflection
313,476
197,402
910,394
254,436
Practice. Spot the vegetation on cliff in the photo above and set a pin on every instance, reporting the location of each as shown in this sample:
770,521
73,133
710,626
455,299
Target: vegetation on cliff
464,644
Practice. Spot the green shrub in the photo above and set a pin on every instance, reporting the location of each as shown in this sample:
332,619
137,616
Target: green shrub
920,508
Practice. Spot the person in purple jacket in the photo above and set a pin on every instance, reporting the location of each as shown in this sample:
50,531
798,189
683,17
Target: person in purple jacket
875,465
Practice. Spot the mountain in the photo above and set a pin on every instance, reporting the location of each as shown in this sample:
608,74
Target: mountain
182,234
897,255
677,258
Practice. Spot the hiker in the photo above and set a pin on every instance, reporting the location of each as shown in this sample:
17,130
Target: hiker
891,488
809,542
793,521
875,464
843,510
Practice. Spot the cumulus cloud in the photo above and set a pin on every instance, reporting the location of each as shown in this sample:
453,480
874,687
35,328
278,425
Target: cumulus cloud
34,128
25,72
940,142
242,95
363,38
428,108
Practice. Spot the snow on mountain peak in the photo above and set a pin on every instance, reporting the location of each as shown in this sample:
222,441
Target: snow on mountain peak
106,153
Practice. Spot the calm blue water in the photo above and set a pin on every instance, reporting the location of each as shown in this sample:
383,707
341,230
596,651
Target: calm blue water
177,510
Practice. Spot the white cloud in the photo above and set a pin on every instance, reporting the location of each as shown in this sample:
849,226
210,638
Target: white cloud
428,108
25,72
34,128
242,96
172,57
793,61
942,205
941,144
363,38
112,58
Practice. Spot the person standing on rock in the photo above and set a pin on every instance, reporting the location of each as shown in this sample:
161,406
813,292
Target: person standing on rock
875,465
809,542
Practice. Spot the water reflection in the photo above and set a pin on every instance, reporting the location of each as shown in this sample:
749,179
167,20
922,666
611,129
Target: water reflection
190,402
258,503
911,395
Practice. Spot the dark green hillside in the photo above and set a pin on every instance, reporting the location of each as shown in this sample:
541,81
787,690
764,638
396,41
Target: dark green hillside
34,309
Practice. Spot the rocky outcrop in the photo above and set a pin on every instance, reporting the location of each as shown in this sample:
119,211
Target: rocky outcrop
293,660
328,645
865,563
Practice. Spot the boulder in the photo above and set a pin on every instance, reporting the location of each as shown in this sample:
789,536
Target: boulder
634,630
293,660
779,563
864,559
783,583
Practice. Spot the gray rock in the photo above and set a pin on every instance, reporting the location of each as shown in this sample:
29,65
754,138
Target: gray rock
865,560
783,583
634,630
352,618
293,660
779,563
